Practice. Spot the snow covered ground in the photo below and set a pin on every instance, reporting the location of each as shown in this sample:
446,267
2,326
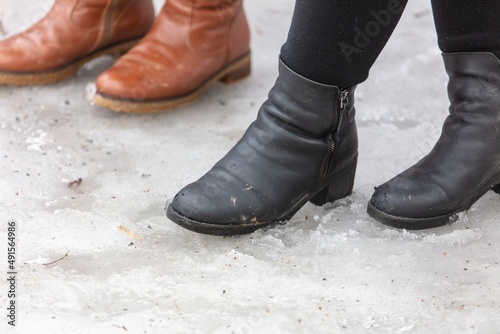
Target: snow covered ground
330,269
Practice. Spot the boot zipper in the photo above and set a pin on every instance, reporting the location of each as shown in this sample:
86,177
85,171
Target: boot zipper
343,100
107,23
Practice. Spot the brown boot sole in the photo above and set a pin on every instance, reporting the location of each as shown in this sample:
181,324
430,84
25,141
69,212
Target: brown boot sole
232,73
48,77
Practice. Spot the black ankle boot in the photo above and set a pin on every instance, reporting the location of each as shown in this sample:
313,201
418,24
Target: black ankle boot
464,164
302,147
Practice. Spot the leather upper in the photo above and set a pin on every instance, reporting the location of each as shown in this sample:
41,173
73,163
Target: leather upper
189,42
280,159
73,29
465,161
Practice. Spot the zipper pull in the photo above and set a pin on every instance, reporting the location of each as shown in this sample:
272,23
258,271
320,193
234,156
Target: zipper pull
344,98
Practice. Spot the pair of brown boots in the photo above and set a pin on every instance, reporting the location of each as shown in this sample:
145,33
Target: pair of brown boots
169,61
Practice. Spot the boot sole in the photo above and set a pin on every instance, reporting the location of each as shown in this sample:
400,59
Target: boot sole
53,76
423,223
338,186
231,73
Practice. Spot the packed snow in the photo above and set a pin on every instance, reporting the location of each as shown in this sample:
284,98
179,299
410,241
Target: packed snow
81,179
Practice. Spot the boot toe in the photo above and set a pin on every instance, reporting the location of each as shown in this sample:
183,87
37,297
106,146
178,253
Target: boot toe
408,198
209,201
131,79
120,83
194,203
12,59
389,199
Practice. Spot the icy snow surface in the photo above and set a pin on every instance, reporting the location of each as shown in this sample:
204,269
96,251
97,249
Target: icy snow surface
330,269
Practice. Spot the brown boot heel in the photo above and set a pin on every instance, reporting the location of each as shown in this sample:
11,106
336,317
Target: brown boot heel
238,74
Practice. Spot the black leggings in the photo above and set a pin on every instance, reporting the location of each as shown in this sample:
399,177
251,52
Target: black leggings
337,41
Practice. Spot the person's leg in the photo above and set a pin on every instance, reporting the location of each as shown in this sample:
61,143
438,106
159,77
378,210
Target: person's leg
303,145
72,33
465,162
336,42
468,26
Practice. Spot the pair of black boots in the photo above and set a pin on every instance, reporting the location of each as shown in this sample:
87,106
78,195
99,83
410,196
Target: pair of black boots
303,147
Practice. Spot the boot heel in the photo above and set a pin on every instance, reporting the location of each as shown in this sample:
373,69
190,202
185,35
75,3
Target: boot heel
339,186
238,74
496,188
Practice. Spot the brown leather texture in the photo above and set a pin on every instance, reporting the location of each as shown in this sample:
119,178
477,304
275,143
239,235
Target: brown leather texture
190,41
72,30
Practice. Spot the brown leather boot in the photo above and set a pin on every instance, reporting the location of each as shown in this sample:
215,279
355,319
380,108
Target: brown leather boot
72,33
192,44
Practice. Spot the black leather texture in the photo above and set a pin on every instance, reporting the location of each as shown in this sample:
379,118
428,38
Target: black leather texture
279,163
465,162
